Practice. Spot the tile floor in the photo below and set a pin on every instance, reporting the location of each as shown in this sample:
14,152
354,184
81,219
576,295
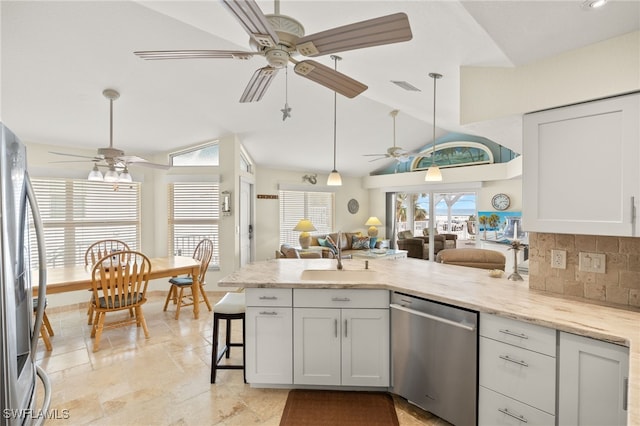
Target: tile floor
160,381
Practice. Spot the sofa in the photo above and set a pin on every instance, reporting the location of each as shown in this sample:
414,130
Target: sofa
473,257
350,243
418,246
287,251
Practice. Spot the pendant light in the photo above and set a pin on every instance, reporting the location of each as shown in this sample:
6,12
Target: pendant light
433,173
334,178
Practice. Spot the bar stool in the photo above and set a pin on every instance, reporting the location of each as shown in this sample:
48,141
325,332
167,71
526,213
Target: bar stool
46,331
230,307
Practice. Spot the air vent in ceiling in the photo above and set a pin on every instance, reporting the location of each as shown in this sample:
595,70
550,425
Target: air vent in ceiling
406,86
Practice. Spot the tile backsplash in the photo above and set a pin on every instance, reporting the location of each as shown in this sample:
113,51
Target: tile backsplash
620,284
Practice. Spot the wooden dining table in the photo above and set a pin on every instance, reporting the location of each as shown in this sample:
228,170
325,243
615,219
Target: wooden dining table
73,278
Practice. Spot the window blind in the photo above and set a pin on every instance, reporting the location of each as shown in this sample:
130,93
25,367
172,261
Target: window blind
77,213
318,207
194,214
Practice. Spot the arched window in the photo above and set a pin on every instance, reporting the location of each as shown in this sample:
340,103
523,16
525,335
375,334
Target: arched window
202,155
454,154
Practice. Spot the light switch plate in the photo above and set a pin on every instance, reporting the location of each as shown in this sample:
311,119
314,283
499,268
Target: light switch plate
559,259
592,262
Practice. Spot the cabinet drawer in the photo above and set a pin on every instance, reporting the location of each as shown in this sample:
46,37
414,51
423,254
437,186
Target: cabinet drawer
518,333
268,296
495,409
340,298
526,376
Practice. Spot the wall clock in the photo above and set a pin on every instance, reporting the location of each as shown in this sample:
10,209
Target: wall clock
353,206
500,201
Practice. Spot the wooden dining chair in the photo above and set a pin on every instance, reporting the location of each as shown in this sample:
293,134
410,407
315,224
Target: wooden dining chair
46,331
119,285
97,251
203,254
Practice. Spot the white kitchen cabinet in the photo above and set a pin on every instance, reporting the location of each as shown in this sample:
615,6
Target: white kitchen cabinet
268,336
580,168
592,382
517,372
341,337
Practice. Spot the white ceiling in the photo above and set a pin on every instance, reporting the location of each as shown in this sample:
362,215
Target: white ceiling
57,57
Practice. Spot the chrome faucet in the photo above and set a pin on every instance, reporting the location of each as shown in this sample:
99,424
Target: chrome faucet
339,247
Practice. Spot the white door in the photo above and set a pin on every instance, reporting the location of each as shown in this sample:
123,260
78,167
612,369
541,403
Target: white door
269,345
365,347
316,351
246,222
593,384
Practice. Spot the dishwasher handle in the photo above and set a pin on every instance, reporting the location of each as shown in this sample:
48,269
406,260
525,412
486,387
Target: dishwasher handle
433,317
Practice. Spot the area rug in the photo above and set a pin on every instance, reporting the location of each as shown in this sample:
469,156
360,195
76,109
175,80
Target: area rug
344,408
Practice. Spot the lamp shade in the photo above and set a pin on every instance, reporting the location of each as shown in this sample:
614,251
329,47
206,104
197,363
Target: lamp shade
304,227
111,175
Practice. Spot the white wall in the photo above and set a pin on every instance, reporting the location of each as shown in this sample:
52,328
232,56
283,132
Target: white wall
267,221
595,71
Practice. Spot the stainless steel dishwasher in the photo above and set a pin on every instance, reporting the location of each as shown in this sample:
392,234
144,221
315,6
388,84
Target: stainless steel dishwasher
435,357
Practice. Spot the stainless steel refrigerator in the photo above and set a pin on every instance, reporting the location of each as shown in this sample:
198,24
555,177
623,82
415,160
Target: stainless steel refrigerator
19,330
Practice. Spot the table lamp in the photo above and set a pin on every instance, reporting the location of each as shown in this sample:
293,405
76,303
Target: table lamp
372,222
304,227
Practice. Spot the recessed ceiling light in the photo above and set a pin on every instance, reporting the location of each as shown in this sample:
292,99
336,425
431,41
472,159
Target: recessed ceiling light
593,4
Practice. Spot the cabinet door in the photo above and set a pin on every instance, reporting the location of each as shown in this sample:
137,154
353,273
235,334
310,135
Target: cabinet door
268,334
580,168
592,382
316,353
365,347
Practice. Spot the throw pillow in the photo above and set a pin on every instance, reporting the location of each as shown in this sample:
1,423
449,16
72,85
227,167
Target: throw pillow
404,235
328,242
425,232
360,243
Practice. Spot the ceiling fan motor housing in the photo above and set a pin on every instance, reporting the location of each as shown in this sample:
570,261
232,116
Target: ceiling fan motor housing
109,153
288,31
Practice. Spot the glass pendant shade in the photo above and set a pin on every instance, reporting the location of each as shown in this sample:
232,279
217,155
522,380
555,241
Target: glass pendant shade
334,178
433,174
95,175
111,175
125,176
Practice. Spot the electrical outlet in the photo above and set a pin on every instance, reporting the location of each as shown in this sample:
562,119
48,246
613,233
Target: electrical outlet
592,262
559,259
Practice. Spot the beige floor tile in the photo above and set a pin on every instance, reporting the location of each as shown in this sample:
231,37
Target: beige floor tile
163,380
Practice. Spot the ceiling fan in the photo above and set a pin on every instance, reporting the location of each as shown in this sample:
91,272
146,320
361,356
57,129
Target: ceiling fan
278,38
112,158
395,152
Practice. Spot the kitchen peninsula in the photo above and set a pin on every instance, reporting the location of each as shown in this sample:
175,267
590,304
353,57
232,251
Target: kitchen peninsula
462,287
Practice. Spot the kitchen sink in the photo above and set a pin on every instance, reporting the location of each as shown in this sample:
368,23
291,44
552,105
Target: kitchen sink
364,275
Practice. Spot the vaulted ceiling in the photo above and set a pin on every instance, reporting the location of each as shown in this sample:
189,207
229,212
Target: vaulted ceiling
57,57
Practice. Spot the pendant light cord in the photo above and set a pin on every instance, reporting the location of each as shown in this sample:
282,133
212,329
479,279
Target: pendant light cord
435,77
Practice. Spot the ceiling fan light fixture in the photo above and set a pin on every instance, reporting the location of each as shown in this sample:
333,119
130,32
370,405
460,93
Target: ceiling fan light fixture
95,175
433,173
593,4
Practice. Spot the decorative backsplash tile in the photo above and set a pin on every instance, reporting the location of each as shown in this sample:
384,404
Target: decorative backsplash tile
620,284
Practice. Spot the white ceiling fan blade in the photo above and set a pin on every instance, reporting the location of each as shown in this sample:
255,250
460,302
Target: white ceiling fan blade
373,32
137,161
376,159
374,155
258,85
194,54
248,13
92,158
330,78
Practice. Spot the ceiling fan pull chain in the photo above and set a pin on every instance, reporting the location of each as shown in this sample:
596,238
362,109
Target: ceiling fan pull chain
286,111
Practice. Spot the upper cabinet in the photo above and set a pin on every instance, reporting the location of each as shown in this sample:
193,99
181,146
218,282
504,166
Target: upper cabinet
580,168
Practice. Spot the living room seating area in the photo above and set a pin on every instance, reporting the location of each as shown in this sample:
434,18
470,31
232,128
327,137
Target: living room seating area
418,246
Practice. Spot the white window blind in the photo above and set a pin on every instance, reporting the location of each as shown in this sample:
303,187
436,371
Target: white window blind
194,214
77,213
318,207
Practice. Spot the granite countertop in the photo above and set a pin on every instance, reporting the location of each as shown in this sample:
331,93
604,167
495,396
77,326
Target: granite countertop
469,288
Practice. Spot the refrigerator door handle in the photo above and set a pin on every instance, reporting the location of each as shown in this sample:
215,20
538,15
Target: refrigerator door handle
46,403
42,264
